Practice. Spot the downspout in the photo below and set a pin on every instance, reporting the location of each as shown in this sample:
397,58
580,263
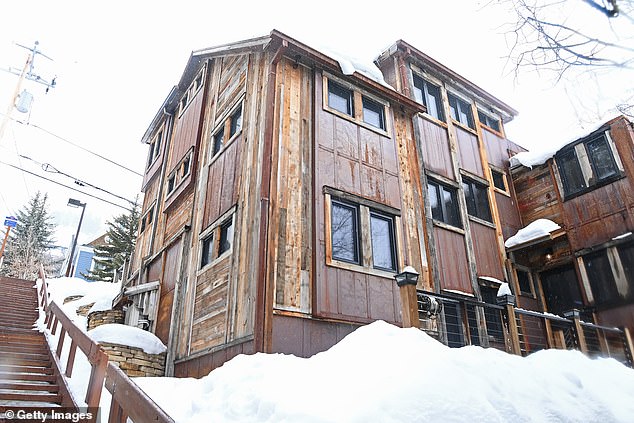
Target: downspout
264,299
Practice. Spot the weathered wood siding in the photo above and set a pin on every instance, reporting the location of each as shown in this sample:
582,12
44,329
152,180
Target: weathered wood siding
186,130
435,145
290,237
485,247
170,272
222,182
452,260
537,194
201,365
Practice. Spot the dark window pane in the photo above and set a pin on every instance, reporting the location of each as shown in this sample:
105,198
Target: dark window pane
472,321
469,197
383,251
570,171
186,166
226,236
453,324
601,157
373,113
491,122
450,207
207,251
561,290
482,202
419,90
601,278
339,98
524,281
236,122
498,180
626,253
461,111
218,141
170,183
433,101
344,233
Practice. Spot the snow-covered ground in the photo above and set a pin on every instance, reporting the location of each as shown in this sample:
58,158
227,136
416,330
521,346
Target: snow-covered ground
382,373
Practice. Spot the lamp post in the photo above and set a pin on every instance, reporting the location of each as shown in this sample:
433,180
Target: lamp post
75,203
406,281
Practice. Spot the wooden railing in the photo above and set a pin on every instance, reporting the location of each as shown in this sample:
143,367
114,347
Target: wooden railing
457,321
128,400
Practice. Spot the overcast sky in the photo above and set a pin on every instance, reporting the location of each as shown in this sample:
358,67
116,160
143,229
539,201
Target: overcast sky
116,61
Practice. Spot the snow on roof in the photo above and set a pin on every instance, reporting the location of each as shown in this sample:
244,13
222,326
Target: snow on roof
622,236
538,229
115,333
383,373
349,65
491,279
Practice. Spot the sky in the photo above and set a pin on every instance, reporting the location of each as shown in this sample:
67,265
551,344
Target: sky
116,62
379,373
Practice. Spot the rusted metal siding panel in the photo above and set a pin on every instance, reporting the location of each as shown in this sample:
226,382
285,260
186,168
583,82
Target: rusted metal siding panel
486,253
509,216
435,145
536,194
186,130
469,152
452,260
305,337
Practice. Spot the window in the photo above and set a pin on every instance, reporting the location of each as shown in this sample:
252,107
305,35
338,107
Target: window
428,94
461,111
499,180
216,241
444,203
600,276
345,242
147,219
191,91
373,113
587,165
493,123
476,195
340,98
525,282
347,235
155,148
227,130
179,173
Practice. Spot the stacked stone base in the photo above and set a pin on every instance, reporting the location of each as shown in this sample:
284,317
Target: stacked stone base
134,361
98,318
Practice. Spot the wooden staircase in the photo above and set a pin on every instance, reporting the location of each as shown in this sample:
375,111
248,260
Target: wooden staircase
29,375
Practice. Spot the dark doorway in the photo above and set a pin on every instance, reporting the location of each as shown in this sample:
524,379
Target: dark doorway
561,290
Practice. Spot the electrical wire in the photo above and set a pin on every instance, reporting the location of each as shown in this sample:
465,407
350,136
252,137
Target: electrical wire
65,186
73,144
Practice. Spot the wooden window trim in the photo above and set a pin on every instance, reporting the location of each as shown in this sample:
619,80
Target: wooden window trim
176,173
357,105
214,230
149,211
485,126
153,154
504,180
468,103
442,223
531,281
191,91
436,84
224,126
365,262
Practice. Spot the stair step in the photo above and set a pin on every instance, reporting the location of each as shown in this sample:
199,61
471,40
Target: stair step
44,387
37,349
25,355
31,396
27,377
16,370
20,361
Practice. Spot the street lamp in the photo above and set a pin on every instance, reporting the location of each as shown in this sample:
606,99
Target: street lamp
409,276
75,203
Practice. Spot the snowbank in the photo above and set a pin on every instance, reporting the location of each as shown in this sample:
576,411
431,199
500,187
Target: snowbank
382,373
115,333
536,230
100,293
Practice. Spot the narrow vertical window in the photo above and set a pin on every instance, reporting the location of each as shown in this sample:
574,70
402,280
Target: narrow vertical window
226,236
236,122
207,251
461,111
498,180
383,249
477,199
344,232
429,95
219,138
373,113
601,158
570,171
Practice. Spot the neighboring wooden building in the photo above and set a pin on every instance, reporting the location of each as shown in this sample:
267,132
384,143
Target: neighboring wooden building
587,188
282,196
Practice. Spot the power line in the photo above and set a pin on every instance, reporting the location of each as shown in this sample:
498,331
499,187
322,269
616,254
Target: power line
75,145
65,186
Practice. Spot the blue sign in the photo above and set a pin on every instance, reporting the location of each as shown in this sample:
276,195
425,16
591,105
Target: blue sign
11,221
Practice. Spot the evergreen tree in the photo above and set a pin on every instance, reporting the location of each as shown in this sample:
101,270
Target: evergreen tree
120,241
30,241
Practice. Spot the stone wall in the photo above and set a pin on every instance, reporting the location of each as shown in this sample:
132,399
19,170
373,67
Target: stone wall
134,361
98,318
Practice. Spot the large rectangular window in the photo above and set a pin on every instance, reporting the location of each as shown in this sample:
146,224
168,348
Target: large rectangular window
429,94
587,165
601,278
444,203
461,111
373,113
348,235
477,198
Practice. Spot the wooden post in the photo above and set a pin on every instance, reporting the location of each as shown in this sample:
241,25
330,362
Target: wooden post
406,281
576,320
508,301
628,344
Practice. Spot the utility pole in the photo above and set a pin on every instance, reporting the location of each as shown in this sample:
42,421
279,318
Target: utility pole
27,72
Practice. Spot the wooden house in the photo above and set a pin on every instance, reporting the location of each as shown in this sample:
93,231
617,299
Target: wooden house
587,188
283,195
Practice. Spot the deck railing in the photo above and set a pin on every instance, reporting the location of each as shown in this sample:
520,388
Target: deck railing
458,321
127,398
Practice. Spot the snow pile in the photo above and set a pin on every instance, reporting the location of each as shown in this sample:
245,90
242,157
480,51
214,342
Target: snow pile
131,336
100,293
538,229
503,290
382,373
